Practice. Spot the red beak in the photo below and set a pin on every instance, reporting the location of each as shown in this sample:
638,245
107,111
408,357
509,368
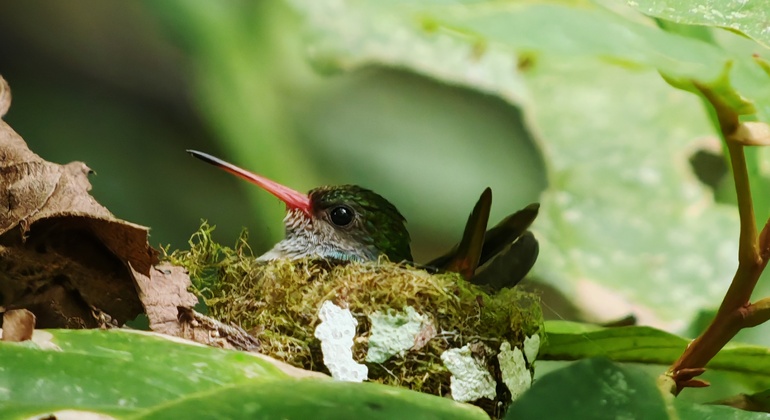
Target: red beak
292,198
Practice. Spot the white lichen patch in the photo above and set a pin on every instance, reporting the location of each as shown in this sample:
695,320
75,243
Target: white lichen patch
44,340
531,347
470,379
336,332
73,415
394,333
514,370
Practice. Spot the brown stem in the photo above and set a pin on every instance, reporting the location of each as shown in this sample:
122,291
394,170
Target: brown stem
757,313
735,312
748,251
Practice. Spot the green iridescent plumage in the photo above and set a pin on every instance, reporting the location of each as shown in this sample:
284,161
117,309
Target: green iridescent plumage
380,225
344,222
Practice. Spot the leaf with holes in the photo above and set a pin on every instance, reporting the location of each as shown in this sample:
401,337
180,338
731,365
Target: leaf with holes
624,216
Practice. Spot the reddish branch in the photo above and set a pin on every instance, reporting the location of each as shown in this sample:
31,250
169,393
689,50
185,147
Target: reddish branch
736,311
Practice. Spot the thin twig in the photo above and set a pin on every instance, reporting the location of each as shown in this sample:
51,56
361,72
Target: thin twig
757,313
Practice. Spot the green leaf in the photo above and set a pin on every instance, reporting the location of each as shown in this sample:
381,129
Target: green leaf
759,401
597,388
115,371
748,17
473,44
306,399
574,341
720,90
620,229
623,216
129,374
591,31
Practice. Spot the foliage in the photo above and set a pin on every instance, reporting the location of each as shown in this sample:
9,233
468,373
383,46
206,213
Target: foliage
600,106
599,389
135,375
639,344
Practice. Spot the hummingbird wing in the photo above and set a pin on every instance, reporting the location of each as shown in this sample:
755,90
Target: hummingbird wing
509,251
464,257
507,231
510,265
499,257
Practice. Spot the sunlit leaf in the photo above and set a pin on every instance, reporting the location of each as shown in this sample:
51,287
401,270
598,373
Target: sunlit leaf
141,376
623,215
626,226
749,17
303,399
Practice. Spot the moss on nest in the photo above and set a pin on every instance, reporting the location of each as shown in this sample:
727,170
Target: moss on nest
279,301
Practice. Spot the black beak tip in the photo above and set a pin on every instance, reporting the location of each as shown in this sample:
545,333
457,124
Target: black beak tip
202,156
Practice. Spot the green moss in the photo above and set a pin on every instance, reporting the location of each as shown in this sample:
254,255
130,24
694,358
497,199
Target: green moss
279,301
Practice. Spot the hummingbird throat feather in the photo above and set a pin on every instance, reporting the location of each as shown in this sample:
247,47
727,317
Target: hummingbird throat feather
308,238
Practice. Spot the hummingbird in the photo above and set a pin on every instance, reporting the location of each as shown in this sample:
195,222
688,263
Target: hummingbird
352,223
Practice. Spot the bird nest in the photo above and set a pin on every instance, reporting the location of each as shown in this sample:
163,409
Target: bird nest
454,331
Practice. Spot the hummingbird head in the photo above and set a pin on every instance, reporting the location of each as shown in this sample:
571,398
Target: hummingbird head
358,221
344,222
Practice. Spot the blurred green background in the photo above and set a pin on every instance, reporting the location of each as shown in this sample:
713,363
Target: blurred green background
126,87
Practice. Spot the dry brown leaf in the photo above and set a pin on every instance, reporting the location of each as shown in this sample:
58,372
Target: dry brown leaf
212,332
63,256
427,333
18,325
162,292
73,264
168,305
5,97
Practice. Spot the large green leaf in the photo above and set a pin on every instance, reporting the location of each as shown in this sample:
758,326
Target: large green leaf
616,35
632,231
142,375
474,44
624,217
749,17
115,371
574,341
305,399
599,389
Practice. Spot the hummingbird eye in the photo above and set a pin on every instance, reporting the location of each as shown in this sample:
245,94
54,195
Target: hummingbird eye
341,215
